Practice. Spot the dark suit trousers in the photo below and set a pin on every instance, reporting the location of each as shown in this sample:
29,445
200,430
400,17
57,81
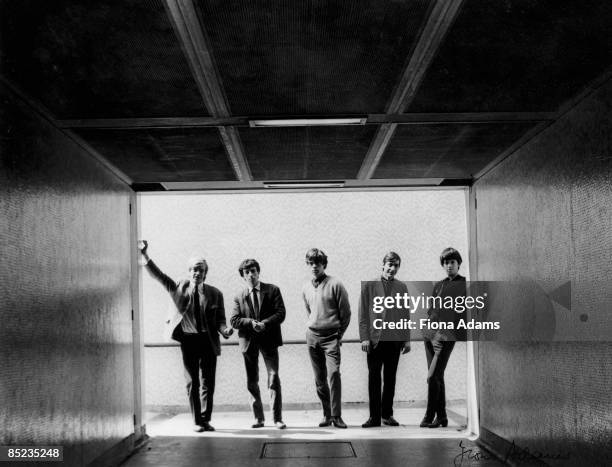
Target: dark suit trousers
436,394
199,357
251,363
325,358
383,358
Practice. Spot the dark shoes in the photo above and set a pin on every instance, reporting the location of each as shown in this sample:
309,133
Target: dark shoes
204,426
370,423
439,422
326,421
338,422
426,422
258,424
390,421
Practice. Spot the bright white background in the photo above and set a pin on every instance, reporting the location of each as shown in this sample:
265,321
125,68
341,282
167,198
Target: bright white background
355,229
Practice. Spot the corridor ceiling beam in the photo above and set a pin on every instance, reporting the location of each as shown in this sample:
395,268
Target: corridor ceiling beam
438,23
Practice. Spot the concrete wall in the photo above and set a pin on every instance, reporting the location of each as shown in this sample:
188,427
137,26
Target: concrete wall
65,300
355,229
545,213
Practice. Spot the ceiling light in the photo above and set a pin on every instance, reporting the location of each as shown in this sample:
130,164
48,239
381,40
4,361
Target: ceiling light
307,122
318,184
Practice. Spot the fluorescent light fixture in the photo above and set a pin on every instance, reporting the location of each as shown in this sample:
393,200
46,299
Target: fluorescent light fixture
307,122
315,184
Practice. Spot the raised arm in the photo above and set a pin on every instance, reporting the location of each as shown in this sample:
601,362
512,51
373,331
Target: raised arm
157,274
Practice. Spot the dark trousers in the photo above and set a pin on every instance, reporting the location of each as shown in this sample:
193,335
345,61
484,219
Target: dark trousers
199,357
324,354
251,364
436,394
382,358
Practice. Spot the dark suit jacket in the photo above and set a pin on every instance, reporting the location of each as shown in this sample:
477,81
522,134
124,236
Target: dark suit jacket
271,312
212,310
369,290
447,288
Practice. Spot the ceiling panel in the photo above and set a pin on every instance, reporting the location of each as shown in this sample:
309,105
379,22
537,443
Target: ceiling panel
518,55
164,155
97,59
446,151
306,153
278,57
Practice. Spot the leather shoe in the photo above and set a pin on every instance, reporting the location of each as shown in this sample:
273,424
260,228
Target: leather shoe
370,423
338,422
390,421
280,425
198,428
326,421
258,424
426,422
208,427
443,422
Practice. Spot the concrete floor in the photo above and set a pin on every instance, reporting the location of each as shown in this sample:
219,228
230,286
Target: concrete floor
172,442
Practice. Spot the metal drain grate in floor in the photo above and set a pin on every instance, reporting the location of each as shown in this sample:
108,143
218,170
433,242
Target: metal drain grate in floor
325,450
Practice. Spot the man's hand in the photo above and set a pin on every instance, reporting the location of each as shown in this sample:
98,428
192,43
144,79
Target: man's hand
258,326
437,345
365,346
405,347
142,246
227,332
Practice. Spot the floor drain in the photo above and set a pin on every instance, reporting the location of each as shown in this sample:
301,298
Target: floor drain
324,450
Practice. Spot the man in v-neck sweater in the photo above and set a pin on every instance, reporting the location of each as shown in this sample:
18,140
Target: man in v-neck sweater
329,313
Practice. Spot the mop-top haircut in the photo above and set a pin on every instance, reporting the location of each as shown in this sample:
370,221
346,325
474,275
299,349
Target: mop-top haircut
316,256
448,254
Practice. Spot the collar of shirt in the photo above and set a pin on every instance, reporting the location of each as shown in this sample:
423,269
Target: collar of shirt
317,280
256,289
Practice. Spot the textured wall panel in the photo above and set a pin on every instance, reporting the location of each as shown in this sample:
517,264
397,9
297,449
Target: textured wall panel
545,213
355,229
66,334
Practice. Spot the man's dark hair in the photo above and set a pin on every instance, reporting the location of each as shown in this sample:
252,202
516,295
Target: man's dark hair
448,254
316,256
248,264
392,257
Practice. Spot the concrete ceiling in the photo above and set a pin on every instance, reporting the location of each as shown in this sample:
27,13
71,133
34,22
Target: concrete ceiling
164,90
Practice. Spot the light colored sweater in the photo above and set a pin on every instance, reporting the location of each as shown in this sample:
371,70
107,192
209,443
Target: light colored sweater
327,306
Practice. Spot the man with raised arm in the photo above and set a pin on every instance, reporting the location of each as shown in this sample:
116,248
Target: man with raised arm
196,322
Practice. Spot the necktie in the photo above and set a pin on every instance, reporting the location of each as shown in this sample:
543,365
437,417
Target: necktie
196,309
255,304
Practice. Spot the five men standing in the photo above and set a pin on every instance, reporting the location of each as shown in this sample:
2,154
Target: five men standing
198,317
